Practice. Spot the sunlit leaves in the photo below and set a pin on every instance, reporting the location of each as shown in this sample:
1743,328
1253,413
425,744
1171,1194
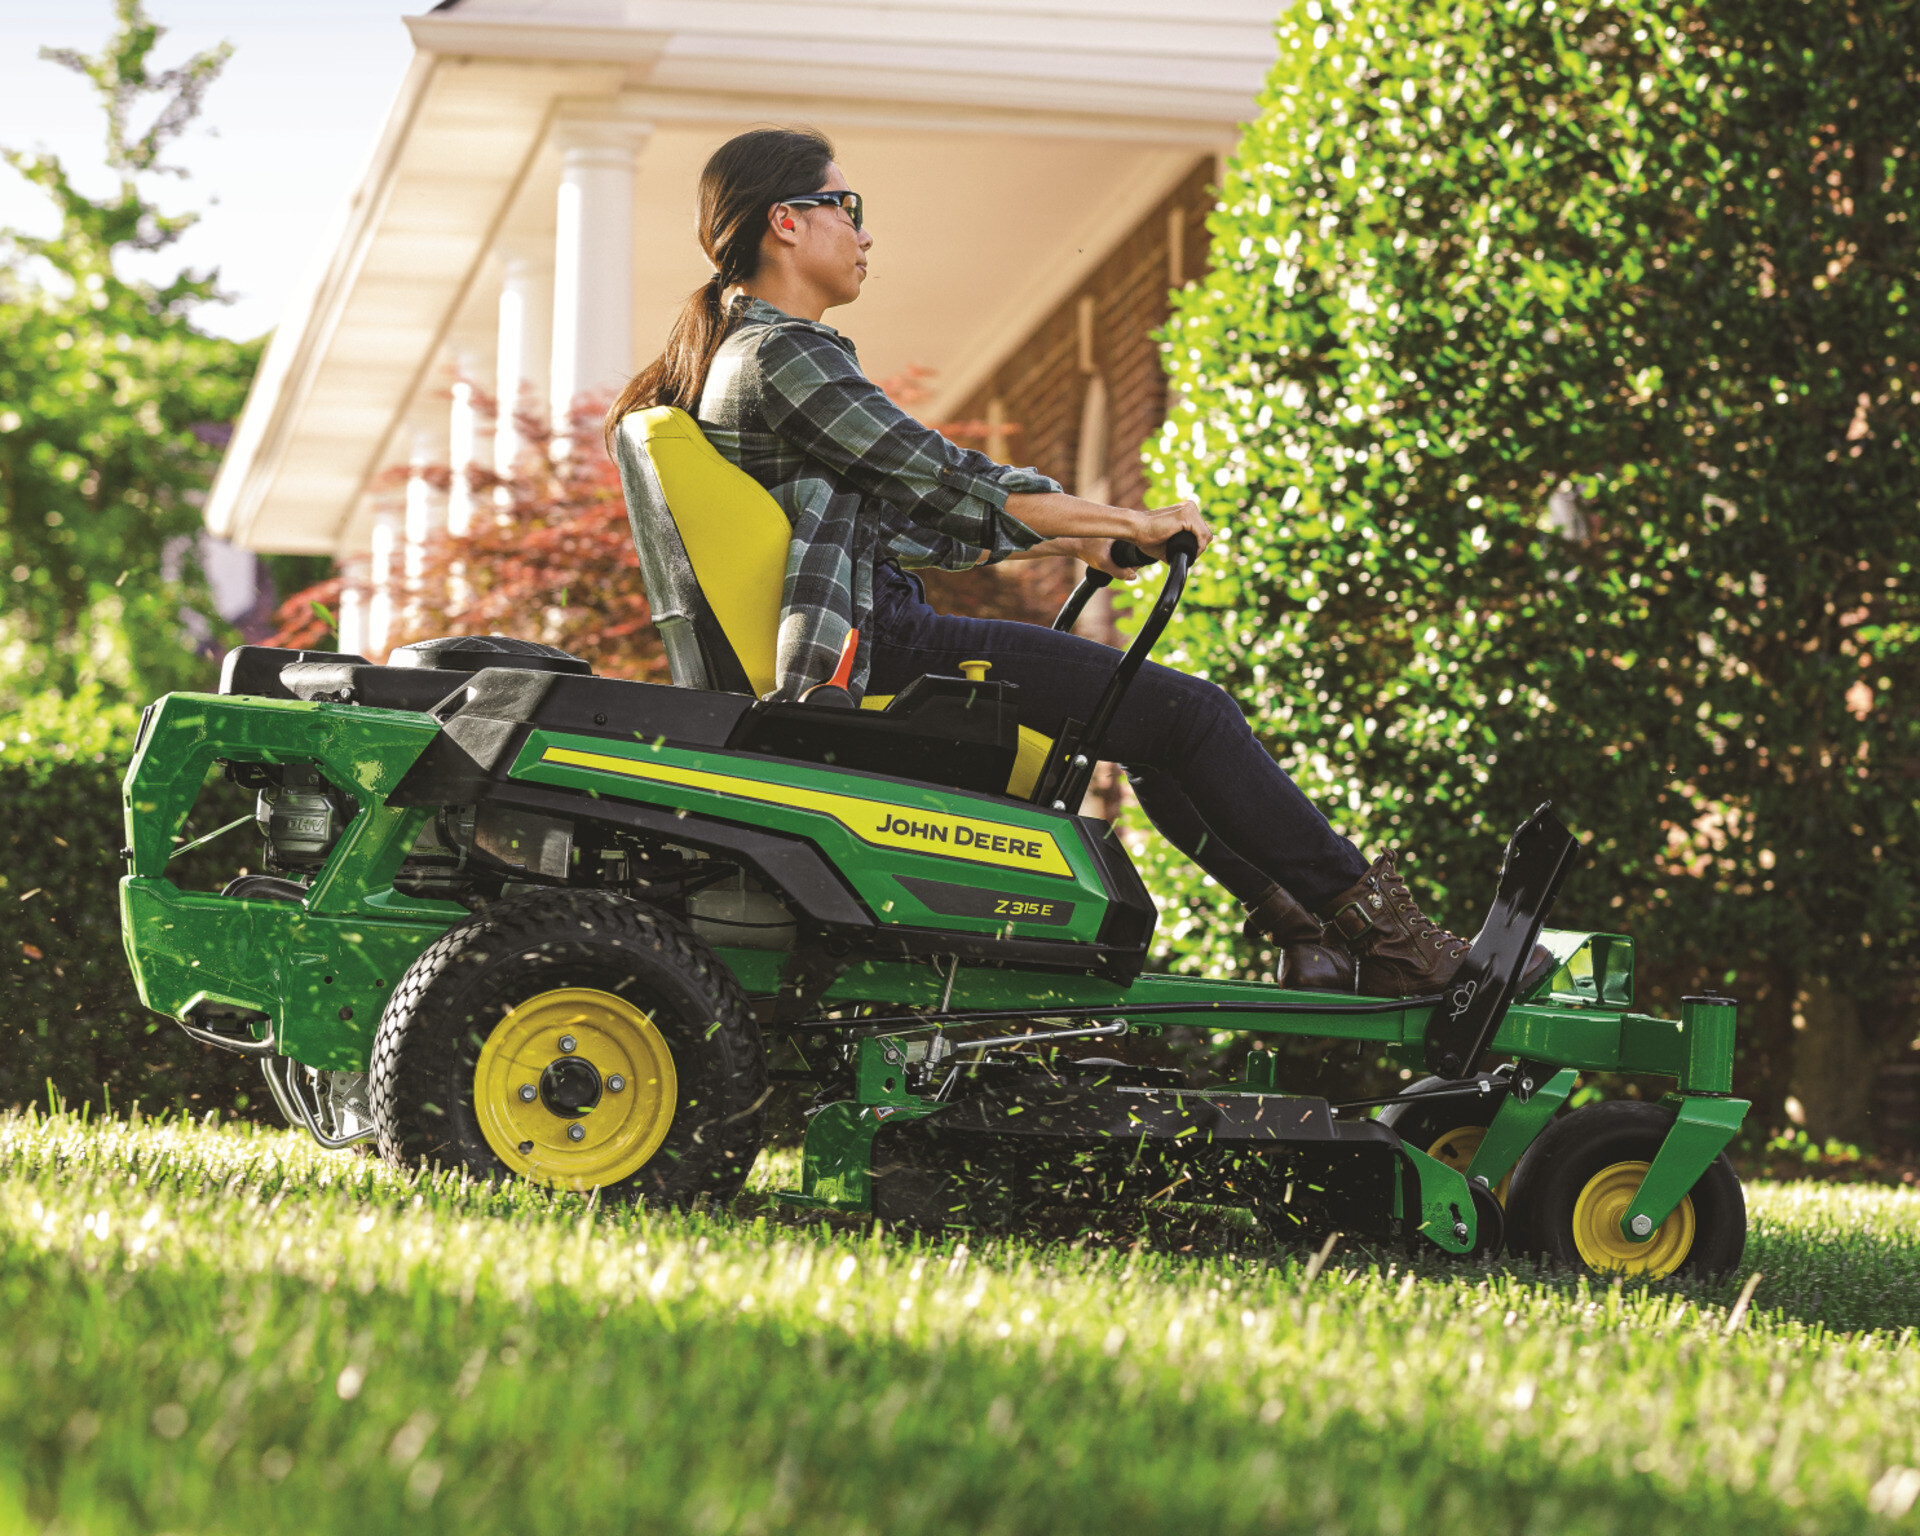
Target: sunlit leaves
1555,388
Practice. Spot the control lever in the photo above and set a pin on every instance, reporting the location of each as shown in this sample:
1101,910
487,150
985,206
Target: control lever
834,692
1126,553
1064,782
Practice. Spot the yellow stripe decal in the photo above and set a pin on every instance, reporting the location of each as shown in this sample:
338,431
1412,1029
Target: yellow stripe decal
872,821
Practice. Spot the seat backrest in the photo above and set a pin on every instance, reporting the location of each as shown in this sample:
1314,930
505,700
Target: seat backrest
713,551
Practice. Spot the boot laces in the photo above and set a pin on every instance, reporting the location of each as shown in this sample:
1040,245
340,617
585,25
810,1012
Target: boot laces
1422,926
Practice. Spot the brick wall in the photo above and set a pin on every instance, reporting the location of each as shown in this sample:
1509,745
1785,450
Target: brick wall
1102,330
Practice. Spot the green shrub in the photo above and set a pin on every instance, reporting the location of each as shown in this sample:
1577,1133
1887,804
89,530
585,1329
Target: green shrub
1556,385
69,1014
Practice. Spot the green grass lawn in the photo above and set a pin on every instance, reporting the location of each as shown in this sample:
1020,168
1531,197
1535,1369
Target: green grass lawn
211,1330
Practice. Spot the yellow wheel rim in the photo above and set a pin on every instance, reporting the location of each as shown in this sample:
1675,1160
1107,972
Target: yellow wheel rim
570,1130
1457,1149
1597,1234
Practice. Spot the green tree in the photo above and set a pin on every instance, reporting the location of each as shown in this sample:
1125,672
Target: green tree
108,394
1557,383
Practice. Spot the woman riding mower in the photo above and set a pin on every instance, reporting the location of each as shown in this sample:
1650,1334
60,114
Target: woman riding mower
871,493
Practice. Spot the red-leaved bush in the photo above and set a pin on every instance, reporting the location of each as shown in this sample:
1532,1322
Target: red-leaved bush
549,557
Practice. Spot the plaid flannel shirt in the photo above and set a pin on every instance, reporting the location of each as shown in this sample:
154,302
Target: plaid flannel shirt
860,480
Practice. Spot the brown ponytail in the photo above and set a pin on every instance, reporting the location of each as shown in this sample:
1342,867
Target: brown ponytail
745,177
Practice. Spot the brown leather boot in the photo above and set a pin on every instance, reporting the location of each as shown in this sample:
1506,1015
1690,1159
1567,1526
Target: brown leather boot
1400,951
1307,962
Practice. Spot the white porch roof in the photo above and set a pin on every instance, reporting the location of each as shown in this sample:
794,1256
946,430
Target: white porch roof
1002,148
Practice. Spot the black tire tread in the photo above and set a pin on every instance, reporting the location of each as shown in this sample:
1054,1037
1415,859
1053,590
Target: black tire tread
1576,1146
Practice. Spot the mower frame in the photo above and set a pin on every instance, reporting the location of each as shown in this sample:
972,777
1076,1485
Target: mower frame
306,980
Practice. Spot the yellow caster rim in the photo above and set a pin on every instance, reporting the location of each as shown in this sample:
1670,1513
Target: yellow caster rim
1601,1243
1457,1150
575,1088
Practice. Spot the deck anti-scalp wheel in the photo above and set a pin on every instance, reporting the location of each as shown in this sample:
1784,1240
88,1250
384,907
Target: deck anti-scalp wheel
1449,1130
576,1039
1578,1179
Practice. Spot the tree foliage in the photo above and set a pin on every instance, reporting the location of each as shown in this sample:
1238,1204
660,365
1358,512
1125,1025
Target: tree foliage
109,396
1557,386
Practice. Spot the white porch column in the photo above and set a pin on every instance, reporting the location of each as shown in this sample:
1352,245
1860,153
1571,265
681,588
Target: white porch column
466,452
383,572
520,380
426,513
593,262
352,638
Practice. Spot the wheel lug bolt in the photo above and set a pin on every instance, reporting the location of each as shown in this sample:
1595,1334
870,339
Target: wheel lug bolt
567,1043
616,1083
528,1093
1642,1225
576,1133
526,1148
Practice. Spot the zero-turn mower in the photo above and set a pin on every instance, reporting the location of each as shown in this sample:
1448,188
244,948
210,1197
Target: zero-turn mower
528,922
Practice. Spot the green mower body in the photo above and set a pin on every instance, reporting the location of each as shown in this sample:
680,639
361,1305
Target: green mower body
939,955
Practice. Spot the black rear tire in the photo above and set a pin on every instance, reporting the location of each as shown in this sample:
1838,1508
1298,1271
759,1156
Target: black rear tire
1581,1154
1489,1222
514,975
1449,1129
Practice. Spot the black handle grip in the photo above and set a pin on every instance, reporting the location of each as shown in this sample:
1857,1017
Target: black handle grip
1129,556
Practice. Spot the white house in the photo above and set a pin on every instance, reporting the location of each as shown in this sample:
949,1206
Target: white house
1036,177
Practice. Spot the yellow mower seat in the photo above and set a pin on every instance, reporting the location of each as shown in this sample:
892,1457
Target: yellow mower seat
713,554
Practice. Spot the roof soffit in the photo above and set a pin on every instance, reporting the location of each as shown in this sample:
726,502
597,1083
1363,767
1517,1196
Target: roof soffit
491,76
1111,56
456,144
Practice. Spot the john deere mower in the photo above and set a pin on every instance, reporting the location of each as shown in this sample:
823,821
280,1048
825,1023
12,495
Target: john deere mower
531,923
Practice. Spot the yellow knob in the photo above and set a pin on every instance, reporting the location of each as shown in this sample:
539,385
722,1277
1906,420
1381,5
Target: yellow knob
976,671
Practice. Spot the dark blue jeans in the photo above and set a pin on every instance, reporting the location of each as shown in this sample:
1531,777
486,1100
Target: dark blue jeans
1210,787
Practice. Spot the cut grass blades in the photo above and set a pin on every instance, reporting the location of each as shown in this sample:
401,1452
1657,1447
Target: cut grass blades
228,1330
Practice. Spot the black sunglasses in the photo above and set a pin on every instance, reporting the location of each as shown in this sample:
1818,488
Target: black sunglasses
849,203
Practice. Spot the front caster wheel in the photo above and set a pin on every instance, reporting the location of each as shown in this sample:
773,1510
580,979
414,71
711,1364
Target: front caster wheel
575,1039
1577,1180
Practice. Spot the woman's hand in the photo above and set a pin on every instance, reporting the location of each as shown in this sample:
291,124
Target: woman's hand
1159,524
1068,525
1096,552
1098,555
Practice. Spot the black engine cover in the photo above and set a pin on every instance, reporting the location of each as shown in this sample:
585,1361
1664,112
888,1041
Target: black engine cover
940,730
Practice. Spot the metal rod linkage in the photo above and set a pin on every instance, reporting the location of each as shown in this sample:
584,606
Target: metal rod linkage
201,842
1473,1090
1099,1032
1103,1011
